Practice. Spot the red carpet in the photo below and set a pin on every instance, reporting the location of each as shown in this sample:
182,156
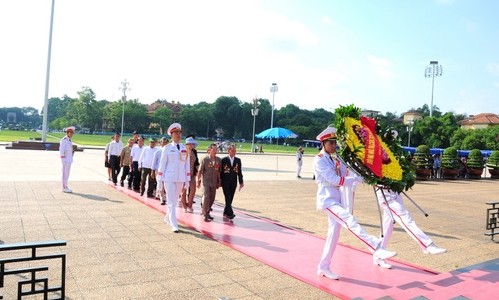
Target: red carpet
297,253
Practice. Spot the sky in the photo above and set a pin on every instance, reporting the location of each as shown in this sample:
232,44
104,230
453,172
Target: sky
321,53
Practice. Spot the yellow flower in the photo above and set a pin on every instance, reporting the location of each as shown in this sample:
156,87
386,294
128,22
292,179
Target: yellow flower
390,168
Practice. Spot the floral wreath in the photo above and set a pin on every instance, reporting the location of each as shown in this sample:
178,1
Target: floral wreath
375,156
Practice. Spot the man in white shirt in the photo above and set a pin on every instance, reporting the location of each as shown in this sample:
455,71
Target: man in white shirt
174,169
160,189
146,160
114,154
66,154
134,167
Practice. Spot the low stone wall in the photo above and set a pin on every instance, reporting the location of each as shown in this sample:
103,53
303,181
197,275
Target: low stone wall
37,145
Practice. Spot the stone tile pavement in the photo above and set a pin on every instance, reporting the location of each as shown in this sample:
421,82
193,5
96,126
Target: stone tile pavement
120,249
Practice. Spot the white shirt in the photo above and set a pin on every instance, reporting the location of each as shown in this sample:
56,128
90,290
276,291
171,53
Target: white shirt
66,150
115,148
327,179
146,157
136,151
156,159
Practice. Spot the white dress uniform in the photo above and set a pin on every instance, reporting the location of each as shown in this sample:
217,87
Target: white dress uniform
328,176
402,216
174,170
299,162
66,154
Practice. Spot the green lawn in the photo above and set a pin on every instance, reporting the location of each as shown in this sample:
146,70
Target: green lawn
102,140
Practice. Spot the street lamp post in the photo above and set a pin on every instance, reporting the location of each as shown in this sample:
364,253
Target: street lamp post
410,125
433,70
47,77
254,113
273,89
124,87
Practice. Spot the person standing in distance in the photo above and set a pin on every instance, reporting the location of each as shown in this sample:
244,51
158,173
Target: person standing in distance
330,175
66,154
230,174
174,170
299,161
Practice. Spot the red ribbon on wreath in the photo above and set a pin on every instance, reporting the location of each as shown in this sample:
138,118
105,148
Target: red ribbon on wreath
373,156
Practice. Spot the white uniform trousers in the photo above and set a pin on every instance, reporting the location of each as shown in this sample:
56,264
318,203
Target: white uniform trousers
66,168
173,190
337,217
299,164
347,197
402,217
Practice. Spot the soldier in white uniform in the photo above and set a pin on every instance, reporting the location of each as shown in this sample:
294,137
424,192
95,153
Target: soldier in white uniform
174,170
66,153
400,213
299,161
330,174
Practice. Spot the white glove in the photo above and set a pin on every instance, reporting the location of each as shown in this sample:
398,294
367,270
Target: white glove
358,179
349,181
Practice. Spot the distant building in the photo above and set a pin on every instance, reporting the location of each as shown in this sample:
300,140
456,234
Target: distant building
369,113
480,121
411,116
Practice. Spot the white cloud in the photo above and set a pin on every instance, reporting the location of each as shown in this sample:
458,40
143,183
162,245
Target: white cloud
493,68
380,66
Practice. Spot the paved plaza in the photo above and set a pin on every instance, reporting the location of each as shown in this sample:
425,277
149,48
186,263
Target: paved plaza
119,248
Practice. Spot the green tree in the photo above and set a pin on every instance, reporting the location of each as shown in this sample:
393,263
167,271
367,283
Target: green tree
163,117
136,117
227,112
197,119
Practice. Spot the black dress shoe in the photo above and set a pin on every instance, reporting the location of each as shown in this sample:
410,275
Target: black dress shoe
142,193
122,184
231,217
209,217
206,219
163,203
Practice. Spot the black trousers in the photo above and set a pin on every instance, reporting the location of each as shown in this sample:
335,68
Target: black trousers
114,162
135,177
229,190
124,174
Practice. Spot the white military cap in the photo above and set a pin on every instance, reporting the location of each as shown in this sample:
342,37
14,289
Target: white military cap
174,127
190,140
70,128
327,134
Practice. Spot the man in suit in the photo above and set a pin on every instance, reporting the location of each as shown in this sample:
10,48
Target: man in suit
230,174
175,171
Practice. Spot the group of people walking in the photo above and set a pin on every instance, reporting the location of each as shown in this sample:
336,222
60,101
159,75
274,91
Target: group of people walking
172,172
175,172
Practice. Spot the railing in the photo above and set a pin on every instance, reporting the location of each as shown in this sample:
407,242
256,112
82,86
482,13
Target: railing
30,284
492,219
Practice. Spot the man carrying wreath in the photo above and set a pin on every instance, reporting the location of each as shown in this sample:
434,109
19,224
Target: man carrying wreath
331,174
